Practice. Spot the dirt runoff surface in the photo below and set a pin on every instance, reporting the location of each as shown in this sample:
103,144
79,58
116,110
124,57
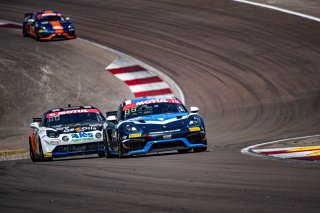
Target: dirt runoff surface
37,76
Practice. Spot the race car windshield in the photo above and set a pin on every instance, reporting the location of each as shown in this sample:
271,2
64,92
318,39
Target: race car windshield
153,109
51,18
73,119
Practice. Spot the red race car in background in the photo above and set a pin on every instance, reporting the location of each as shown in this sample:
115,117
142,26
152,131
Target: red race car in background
47,25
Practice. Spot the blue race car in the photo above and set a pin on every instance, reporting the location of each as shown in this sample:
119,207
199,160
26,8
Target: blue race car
47,25
146,125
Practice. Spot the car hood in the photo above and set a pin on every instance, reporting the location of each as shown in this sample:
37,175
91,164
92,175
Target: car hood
54,25
84,127
160,121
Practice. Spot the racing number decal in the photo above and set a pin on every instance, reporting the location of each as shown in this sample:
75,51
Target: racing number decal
130,110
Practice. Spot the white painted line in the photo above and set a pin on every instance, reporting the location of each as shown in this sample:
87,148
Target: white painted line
273,150
134,75
118,63
148,87
293,154
163,96
279,9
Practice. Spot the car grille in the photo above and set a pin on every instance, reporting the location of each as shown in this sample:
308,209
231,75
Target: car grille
137,145
78,147
195,139
167,145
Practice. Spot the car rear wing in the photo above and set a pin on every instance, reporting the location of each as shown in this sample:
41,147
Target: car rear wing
110,113
36,120
28,15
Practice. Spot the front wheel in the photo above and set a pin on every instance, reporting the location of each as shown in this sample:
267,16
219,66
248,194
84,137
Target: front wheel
200,149
24,32
42,158
121,149
107,153
37,37
32,155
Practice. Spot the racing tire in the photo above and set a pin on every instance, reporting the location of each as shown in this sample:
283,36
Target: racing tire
32,155
37,37
121,149
101,155
42,158
24,32
181,151
107,153
200,149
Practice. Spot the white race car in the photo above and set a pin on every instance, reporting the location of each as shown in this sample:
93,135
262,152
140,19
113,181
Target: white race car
67,131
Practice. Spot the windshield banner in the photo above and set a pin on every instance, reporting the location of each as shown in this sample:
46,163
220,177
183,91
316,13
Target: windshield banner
153,101
74,111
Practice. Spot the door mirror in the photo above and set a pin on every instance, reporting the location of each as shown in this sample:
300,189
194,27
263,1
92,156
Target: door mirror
34,125
194,109
112,118
67,19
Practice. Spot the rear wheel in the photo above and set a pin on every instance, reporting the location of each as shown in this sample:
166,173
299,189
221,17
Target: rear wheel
200,149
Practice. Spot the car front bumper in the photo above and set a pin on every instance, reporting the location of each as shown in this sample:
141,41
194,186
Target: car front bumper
185,141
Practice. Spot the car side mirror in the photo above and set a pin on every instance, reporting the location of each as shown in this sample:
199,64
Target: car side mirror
67,19
194,109
112,118
34,125
30,20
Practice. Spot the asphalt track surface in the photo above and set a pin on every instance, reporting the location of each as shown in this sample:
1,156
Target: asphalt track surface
254,73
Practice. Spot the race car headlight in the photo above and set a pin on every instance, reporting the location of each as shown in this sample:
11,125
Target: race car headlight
44,28
70,26
131,128
98,135
194,121
52,134
65,138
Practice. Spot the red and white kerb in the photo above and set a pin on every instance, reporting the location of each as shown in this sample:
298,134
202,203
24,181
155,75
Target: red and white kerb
141,81
7,24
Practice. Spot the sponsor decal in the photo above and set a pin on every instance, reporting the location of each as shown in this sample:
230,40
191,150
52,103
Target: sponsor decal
167,136
75,111
136,135
165,132
79,129
48,155
153,101
82,136
194,129
54,142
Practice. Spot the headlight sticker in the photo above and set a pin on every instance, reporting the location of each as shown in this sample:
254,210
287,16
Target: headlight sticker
136,135
194,129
